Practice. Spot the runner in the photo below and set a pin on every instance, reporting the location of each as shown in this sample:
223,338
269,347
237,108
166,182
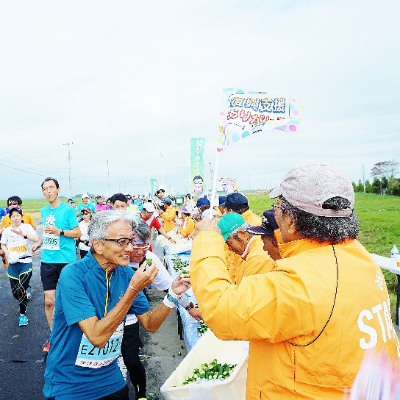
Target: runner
93,297
100,206
16,241
84,245
119,201
60,228
131,342
85,203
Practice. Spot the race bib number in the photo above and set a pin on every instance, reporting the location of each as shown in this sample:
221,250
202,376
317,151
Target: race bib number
51,241
20,246
90,356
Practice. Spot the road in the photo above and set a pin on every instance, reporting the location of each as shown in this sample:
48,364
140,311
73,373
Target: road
22,362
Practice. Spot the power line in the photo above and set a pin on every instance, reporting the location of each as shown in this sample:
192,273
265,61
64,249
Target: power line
40,165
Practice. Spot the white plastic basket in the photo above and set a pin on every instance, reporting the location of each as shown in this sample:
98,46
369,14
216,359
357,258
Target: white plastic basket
207,349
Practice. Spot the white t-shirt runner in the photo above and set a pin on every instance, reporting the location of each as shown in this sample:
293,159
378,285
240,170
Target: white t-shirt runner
18,243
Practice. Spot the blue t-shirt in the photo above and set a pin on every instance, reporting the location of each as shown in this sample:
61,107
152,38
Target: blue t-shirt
56,248
81,294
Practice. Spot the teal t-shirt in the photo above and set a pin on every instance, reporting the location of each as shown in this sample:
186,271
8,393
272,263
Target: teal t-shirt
75,369
90,205
56,248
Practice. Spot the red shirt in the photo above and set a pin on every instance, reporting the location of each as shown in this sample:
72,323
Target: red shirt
152,224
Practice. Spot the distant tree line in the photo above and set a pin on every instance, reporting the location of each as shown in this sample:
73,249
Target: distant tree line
385,181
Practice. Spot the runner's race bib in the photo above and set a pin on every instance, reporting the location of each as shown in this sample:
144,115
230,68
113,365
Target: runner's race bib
21,247
51,241
90,356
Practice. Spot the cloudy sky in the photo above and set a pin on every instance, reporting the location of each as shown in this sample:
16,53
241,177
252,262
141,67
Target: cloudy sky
125,80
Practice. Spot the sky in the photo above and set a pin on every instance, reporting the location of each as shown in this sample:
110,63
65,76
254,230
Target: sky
124,81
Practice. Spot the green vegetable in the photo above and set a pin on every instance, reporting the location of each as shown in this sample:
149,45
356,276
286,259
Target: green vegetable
149,261
202,328
214,370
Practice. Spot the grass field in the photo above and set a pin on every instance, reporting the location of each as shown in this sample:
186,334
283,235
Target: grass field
379,219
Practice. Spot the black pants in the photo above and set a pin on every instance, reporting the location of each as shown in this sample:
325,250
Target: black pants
18,289
131,344
122,394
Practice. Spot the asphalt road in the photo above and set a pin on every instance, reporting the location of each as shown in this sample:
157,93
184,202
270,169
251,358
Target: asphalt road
22,362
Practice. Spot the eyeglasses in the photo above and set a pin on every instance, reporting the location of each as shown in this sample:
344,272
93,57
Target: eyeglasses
13,203
142,247
274,205
123,242
85,213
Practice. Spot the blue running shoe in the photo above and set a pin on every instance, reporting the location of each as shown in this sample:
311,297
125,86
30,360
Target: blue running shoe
22,320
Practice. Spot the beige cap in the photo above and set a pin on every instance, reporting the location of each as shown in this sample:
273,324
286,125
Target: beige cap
309,184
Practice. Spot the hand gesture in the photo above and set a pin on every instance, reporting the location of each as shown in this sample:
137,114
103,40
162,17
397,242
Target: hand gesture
35,247
206,224
51,229
180,285
144,277
17,231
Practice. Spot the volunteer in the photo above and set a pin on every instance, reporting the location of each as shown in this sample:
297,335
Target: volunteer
238,203
311,320
169,215
188,224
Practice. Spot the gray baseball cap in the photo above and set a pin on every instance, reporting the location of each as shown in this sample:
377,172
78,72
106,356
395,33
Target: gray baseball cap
309,184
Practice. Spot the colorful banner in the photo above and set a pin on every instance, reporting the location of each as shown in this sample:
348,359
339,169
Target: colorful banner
227,185
246,112
197,165
153,186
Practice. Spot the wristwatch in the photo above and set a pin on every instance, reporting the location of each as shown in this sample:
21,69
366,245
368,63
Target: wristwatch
26,236
62,233
189,307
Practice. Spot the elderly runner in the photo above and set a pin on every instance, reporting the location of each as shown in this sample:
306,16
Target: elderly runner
93,297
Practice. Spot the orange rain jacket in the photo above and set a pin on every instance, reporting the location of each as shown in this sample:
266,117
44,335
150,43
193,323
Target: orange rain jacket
189,228
281,313
251,218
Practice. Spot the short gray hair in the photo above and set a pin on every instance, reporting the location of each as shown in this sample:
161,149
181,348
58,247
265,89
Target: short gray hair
101,220
143,230
234,233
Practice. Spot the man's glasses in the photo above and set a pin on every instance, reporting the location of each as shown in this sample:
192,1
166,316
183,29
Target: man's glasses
141,247
123,242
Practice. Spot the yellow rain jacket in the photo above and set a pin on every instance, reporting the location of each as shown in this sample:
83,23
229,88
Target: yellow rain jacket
306,342
187,228
168,216
251,218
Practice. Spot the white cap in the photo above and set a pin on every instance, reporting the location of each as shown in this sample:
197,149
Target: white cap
148,207
85,196
309,184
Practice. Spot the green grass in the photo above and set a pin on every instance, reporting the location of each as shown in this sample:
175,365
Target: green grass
379,219
34,205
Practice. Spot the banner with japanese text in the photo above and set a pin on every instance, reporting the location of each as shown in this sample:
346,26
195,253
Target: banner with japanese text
245,113
227,184
153,186
197,165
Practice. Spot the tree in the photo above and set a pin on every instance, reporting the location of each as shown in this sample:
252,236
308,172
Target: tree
385,169
393,186
368,187
360,186
376,186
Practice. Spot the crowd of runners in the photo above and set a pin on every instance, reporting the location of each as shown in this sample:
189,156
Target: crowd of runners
294,282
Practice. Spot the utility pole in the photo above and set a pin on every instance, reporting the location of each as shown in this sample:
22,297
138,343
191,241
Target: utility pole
108,174
162,169
69,161
211,172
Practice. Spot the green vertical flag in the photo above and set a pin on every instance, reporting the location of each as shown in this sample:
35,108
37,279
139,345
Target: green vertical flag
197,165
153,186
